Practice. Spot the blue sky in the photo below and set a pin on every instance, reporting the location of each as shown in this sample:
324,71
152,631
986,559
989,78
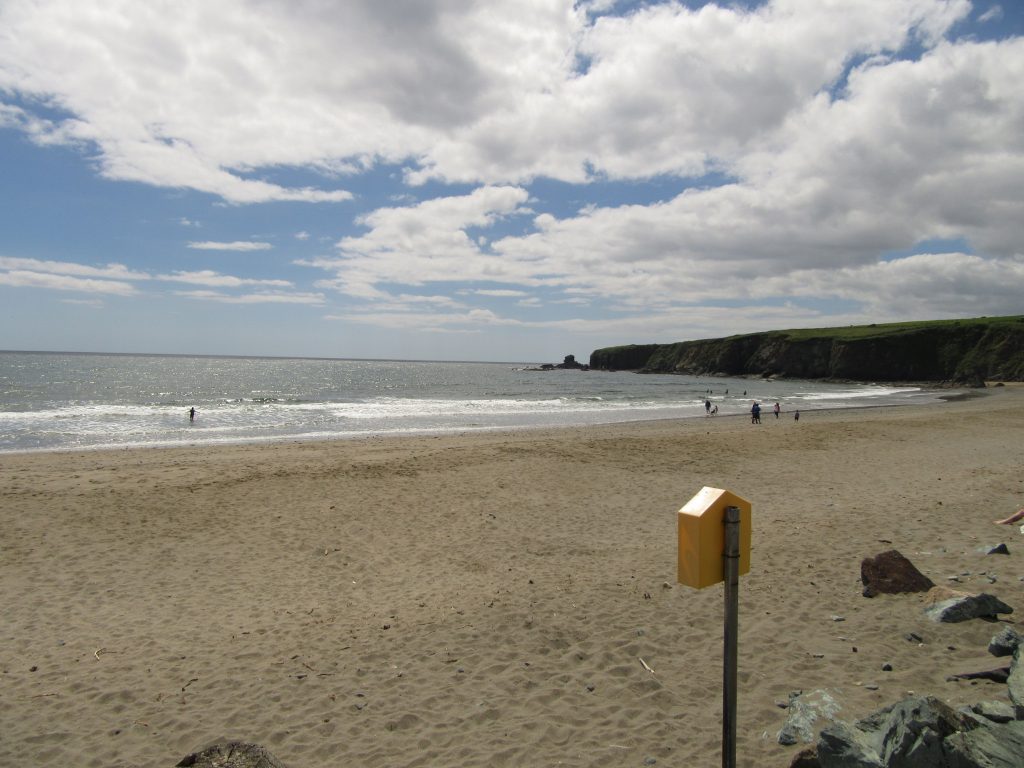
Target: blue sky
501,180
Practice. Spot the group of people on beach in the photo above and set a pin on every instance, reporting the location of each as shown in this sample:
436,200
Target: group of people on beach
755,412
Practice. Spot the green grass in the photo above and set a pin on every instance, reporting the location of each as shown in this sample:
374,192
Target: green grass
878,330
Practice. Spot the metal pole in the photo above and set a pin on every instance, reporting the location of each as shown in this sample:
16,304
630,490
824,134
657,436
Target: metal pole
731,568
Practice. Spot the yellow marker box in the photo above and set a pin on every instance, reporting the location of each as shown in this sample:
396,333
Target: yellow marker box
702,537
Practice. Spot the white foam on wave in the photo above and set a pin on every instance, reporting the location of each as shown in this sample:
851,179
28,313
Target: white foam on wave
858,393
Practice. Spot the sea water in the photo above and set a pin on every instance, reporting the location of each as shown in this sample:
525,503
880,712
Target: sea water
51,401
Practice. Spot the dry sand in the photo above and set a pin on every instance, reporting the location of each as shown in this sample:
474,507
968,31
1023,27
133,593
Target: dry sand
486,600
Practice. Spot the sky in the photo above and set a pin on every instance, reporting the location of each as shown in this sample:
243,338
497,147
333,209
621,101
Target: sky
505,180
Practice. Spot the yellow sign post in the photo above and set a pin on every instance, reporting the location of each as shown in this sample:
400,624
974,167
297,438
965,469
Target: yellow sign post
714,546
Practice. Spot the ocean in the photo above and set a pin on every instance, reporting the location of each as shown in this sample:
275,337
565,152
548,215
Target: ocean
57,402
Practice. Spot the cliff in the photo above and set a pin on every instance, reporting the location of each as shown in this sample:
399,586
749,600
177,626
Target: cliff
954,351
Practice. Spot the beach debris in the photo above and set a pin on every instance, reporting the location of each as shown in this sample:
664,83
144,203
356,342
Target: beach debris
913,637
998,549
952,609
921,732
230,754
806,710
887,667
997,675
1005,642
645,665
891,573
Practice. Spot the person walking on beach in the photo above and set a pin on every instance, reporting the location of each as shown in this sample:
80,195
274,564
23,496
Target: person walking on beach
776,409
192,414
796,416
707,406
755,413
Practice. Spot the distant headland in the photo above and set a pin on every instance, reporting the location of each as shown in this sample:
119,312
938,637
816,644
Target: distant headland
955,352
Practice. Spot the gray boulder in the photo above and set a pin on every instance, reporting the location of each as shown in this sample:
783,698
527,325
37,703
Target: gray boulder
806,710
908,734
231,754
1015,682
1005,642
923,732
999,745
965,607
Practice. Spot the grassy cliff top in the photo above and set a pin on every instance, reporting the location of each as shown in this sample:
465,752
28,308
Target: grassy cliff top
878,330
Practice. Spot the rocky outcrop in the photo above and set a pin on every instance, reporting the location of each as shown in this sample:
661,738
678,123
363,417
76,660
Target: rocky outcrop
920,732
568,363
961,352
231,754
571,362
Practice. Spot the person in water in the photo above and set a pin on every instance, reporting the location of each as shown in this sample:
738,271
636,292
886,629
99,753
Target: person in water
192,414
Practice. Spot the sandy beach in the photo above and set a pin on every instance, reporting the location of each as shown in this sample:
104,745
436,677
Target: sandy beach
498,599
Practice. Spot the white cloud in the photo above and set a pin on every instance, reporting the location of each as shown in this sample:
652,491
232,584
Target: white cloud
89,303
108,271
501,293
427,242
470,319
109,279
844,131
237,245
201,96
994,13
923,285
208,277
268,297
20,278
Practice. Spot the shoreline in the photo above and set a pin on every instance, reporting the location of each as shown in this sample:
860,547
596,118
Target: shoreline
459,431
483,599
